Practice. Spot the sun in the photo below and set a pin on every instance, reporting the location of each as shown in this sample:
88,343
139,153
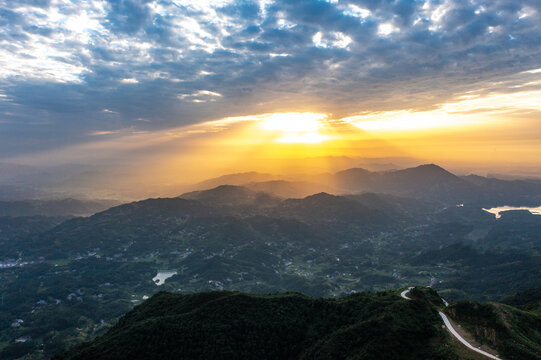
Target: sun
295,127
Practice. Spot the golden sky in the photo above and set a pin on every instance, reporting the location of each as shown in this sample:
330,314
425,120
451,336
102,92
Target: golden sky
151,94
476,132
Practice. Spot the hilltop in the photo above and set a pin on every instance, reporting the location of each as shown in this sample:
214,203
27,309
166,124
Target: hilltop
233,325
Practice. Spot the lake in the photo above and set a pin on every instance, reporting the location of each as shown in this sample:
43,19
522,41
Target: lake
497,210
163,275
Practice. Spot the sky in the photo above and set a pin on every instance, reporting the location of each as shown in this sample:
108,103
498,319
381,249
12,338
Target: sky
174,84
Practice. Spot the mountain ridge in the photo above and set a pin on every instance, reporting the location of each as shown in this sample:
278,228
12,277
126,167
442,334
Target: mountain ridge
427,181
381,325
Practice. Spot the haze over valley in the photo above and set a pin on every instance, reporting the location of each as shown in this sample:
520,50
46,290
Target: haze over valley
270,179
327,235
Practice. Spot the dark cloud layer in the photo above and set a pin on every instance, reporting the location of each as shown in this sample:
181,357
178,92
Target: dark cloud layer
72,69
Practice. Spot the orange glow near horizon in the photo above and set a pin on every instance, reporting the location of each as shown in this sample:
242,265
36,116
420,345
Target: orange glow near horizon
492,131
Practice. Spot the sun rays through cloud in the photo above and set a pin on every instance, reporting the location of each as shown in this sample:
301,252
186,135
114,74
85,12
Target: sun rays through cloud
157,65
175,88
282,142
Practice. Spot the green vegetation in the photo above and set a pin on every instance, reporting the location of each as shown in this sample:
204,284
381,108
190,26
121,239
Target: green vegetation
515,333
527,300
229,325
70,280
233,325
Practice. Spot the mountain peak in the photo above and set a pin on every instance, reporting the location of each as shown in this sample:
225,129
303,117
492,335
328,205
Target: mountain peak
430,170
230,195
431,167
220,190
353,172
321,195
234,179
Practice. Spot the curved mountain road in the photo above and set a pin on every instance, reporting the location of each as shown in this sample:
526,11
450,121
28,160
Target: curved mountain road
451,329
405,292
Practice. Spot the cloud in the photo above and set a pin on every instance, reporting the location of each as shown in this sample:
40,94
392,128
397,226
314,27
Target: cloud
128,16
247,10
63,62
200,96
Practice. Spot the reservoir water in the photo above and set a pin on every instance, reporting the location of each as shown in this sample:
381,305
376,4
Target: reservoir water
163,275
498,210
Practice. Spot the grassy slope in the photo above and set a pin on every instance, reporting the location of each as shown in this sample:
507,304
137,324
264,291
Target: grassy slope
515,333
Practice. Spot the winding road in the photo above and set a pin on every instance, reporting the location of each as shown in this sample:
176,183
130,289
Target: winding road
451,329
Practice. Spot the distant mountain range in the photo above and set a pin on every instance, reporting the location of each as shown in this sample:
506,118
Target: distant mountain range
423,182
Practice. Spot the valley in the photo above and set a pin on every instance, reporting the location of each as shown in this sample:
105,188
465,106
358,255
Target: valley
86,272
270,179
